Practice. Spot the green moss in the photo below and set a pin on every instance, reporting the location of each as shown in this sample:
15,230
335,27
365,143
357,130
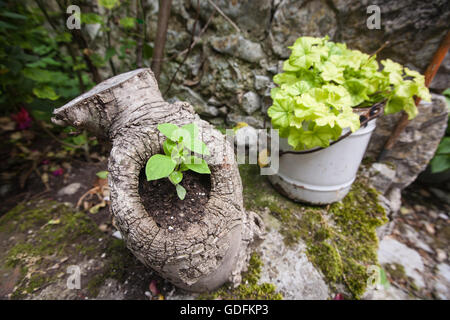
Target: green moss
327,257
249,289
340,238
46,232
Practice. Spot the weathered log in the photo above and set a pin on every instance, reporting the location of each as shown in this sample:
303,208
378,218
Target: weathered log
126,110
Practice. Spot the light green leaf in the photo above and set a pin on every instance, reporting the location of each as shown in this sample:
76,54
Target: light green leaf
45,92
108,4
281,112
102,174
176,177
80,139
330,72
181,191
197,164
168,129
127,22
394,104
91,18
169,146
159,166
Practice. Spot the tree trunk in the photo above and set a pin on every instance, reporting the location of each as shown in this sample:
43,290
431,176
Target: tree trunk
126,110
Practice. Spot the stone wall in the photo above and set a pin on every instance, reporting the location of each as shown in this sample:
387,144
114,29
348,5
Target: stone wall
227,76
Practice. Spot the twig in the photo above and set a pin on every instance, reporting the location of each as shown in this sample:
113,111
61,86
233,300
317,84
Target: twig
380,48
140,29
56,138
225,16
161,33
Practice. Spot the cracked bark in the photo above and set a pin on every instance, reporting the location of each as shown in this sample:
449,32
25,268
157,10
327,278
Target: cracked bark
126,110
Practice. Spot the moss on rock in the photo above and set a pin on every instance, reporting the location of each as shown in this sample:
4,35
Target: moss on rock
341,238
249,289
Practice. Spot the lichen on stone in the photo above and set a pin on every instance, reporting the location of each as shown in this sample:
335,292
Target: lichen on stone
341,238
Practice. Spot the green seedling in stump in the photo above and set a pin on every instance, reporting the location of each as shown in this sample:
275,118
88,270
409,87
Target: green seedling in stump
178,157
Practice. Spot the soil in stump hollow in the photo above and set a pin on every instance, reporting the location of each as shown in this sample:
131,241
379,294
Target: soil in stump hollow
161,201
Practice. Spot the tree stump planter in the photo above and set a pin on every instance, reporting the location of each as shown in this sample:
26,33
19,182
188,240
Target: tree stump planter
126,110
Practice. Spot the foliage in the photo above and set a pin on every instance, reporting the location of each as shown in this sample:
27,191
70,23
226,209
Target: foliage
177,158
441,159
43,64
321,83
34,71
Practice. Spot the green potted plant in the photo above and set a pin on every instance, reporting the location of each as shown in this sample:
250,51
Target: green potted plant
328,92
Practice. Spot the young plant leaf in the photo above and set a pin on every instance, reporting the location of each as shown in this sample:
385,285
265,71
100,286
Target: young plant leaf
168,129
102,174
176,177
168,146
197,165
159,166
181,192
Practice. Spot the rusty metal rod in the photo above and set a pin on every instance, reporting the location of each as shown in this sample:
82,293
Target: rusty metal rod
430,72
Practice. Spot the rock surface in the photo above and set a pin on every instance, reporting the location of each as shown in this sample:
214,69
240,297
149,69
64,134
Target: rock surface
416,145
290,270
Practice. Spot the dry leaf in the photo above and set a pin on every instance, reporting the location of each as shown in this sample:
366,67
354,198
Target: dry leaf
97,207
263,158
54,221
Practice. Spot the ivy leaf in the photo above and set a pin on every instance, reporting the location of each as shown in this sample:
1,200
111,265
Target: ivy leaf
181,191
176,177
159,166
197,165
